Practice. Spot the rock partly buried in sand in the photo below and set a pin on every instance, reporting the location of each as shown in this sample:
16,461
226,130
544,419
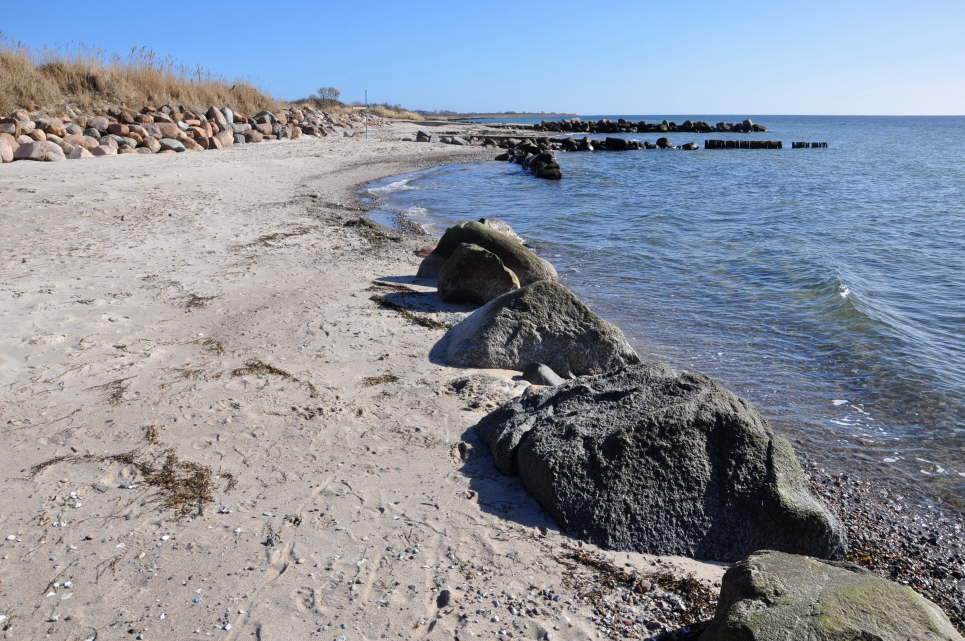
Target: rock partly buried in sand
644,459
42,150
541,323
474,275
527,266
772,596
540,374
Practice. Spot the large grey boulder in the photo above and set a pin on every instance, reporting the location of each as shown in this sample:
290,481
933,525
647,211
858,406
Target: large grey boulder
644,459
527,266
474,275
773,596
541,323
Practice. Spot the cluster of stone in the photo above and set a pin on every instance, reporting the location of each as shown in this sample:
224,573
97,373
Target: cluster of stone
166,129
622,126
536,157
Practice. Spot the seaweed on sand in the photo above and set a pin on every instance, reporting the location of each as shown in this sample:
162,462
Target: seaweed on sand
184,487
408,315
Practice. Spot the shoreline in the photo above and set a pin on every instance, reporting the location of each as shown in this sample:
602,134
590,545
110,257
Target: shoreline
898,530
212,313
220,308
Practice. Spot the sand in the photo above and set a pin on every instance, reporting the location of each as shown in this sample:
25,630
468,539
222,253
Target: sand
199,325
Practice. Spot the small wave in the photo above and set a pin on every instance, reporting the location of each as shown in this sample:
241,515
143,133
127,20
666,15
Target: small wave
397,185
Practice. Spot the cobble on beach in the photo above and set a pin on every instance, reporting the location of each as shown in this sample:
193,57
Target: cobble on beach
909,542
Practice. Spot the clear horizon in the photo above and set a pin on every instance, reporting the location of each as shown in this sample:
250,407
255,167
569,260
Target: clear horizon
764,58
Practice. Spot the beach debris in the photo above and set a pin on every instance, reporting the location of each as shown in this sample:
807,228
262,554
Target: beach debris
646,460
774,595
541,323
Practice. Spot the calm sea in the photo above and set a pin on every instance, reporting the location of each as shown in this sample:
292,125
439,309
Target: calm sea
827,286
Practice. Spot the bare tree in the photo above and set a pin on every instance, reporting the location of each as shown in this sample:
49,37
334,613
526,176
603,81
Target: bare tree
328,93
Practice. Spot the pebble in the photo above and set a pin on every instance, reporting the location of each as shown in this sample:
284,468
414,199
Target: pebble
444,598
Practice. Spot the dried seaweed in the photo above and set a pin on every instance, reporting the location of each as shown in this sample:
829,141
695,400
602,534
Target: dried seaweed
699,600
193,301
184,487
268,240
256,366
114,390
212,345
370,381
408,315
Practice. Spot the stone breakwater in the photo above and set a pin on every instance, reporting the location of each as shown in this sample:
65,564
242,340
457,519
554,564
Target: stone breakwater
636,456
621,126
165,129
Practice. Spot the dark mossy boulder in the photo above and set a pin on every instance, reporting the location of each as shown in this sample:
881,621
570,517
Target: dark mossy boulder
616,144
527,266
474,275
645,459
541,323
544,165
773,596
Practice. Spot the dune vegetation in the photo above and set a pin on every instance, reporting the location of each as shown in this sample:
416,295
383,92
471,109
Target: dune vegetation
87,79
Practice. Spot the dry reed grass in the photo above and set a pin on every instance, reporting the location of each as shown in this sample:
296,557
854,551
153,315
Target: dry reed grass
394,112
88,80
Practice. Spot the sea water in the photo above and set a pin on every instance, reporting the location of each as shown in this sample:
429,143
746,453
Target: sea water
827,286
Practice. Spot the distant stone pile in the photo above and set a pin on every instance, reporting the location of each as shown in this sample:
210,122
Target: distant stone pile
622,126
167,129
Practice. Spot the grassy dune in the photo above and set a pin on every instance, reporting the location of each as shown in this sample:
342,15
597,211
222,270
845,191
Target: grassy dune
51,80
55,81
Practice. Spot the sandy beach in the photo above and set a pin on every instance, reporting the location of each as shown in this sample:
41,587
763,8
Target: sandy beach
201,326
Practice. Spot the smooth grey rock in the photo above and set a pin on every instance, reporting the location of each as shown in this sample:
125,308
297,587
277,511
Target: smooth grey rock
171,143
500,225
540,374
474,275
773,596
239,139
647,460
229,115
540,323
241,127
527,266
92,132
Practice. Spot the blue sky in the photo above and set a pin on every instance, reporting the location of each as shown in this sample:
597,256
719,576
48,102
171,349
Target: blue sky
776,57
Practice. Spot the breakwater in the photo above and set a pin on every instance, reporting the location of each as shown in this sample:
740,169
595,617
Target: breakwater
624,126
